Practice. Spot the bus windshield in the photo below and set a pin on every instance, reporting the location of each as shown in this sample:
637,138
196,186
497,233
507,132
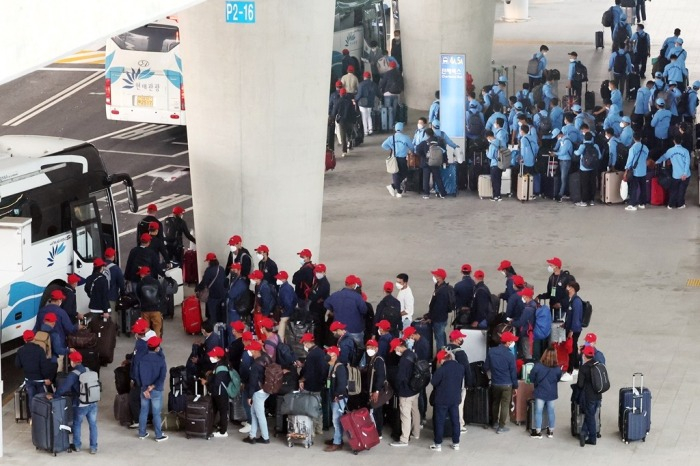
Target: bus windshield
150,38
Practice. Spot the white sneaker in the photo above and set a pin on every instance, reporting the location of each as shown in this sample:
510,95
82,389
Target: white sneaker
399,195
581,204
641,206
630,207
436,447
245,429
574,373
220,435
391,190
463,430
455,446
343,154
566,377
682,207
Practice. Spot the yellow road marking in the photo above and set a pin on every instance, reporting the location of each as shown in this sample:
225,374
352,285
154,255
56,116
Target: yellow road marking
694,282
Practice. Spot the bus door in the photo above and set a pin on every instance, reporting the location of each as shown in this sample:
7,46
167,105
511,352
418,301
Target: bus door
88,239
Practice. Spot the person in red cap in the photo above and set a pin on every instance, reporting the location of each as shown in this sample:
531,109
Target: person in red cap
256,395
142,227
515,303
151,298
591,339
591,397
239,255
287,300
236,347
573,325
447,387
217,380
264,293
556,288
338,394
320,291
366,97
266,265
482,306
150,377
350,81
303,279
464,292
384,338
408,397
213,280
70,303
345,343
441,304
115,279
269,337
506,268
545,375
97,289
141,256
36,367
348,307
526,323
331,126
64,326
345,116
246,362
71,386
174,228
157,241
391,86
377,383
314,372
49,338
456,338
421,347
500,360
389,309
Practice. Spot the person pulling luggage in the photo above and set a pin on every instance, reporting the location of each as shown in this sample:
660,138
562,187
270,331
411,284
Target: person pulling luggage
217,381
36,367
338,394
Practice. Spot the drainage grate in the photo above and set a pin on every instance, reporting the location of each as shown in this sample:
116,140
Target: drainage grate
694,282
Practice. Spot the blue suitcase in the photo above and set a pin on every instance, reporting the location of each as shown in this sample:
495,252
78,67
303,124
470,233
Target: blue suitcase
52,421
634,400
449,179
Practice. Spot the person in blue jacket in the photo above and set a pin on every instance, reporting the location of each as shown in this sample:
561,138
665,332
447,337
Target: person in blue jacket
588,173
408,398
524,325
434,111
541,57
563,149
528,150
447,387
213,279
573,324
548,92
545,375
428,171
626,135
615,94
496,173
692,102
443,139
620,64
642,104
500,360
642,49
637,162
263,293
591,339
400,145
348,307
506,268
515,304
419,136
574,84
464,289
622,24
64,327
384,338
556,113
497,113
346,344
674,96
661,122
616,13
613,141
680,163
570,131
287,300
237,294
97,289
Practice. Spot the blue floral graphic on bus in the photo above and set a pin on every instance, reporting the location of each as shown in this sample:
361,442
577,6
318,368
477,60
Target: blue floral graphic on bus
175,77
55,251
136,75
23,300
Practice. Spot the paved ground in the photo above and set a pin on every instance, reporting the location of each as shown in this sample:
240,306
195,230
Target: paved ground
633,266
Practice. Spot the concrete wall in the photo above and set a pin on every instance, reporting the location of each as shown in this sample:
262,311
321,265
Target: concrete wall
461,26
35,33
256,98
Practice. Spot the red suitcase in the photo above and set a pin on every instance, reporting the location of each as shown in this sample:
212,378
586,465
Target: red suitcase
360,430
330,159
190,274
191,315
659,196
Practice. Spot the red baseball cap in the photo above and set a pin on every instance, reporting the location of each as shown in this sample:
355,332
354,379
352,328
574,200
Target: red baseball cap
388,287
210,257
392,64
504,265
28,335
320,268
555,261
336,325
304,253
235,239
408,331
338,84
307,338
238,326
57,294
73,278
351,69
236,265
267,323
590,338
372,343
342,91
466,268
529,292
154,342
456,335
351,280
152,208
50,317
442,354
282,275
394,343
145,238
333,350
216,352
247,336
75,356
479,274
99,262
110,252
254,346
262,248
366,74
383,324
140,326
439,273
346,52
143,271
518,280
256,275
177,210
508,337
589,351
153,226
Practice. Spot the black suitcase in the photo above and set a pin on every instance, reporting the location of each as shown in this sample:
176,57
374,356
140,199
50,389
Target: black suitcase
21,404
588,100
199,419
414,181
280,419
633,84
52,421
376,121
402,113
178,389
462,176
122,409
481,379
425,330
122,379
577,418
91,359
477,406
575,187
531,416
636,398
106,331
550,186
599,40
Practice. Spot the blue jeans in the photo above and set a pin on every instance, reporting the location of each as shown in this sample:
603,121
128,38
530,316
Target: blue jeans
439,334
32,389
564,167
589,428
440,413
257,413
539,406
338,409
155,404
393,102
89,411
246,408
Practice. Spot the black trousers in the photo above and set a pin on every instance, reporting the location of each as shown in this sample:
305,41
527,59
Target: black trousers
588,186
220,405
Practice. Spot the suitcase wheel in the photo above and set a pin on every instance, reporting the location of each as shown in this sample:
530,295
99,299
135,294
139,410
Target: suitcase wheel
354,452
187,436
290,444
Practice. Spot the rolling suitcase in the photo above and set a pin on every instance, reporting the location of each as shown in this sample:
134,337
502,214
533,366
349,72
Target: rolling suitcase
588,99
658,195
414,181
190,274
330,159
531,417
485,187
198,415
577,415
402,115
21,404
449,179
506,182
518,410
122,379
376,120
575,187
633,84
599,40
178,389
51,423
550,186
477,406
91,359
122,411
463,176
384,115
300,428
610,187
359,430
526,187
191,315
425,330
636,398
106,331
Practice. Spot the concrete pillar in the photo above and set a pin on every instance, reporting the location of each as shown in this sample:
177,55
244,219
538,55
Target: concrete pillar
256,98
430,27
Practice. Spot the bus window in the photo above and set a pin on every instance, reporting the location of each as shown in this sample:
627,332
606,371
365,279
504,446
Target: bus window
151,38
105,210
87,229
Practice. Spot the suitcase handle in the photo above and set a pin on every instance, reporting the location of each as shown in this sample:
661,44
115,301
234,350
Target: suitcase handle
638,394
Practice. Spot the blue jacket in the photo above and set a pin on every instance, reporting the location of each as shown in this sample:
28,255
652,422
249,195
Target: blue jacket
71,385
99,291
383,342
627,136
572,133
440,306
556,114
151,370
464,292
661,123
434,110
612,150
580,152
501,135
526,320
117,285
515,306
315,370
266,297
492,153
405,373
140,350
213,281
528,150
338,382
692,102
366,93
574,316
564,149
347,347
349,308
399,143
628,64
422,349
681,54
639,36
501,362
63,326
616,97
447,383
547,94
440,134
418,137
34,363
546,380
287,299
680,161
674,72
461,357
641,103
669,44
638,155
492,120
616,12
541,65
237,289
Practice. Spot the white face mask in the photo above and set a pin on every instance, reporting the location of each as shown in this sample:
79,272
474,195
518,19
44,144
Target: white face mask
399,286
250,353
306,348
434,279
398,353
301,260
409,343
319,276
233,248
571,60
252,285
213,360
371,352
420,126
259,256
524,302
550,269
504,273
622,125
279,282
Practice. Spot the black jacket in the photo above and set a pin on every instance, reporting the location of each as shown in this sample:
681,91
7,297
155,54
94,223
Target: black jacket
269,270
150,294
142,256
344,110
586,382
158,245
405,373
320,291
98,292
377,373
392,304
338,377
257,374
440,305
303,280
235,352
214,281
217,381
180,230
315,370
464,292
242,257
480,303
33,361
392,81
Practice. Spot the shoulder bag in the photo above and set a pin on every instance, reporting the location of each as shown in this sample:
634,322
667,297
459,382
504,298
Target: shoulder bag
392,166
203,295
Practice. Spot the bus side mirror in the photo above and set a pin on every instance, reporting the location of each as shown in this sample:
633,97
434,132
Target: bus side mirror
130,190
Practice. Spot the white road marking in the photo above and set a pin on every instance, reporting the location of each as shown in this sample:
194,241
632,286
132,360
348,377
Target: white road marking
53,100
115,132
143,153
138,133
148,173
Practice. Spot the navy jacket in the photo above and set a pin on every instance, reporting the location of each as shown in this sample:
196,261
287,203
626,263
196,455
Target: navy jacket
338,381
384,341
99,292
377,374
71,385
257,374
303,280
287,299
461,357
214,281
464,292
574,316
515,306
527,318
422,349
235,353
586,382
70,304
64,326
151,370
349,308
320,291
246,366
315,370
501,362
481,302
440,306
140,350
263,293
33,361
269,269
116,281
347,347
236,291
142,256
447,383
405,373
546,380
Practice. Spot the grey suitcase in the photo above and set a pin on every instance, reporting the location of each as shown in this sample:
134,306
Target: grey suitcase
300,428
531,416
21,404
51,423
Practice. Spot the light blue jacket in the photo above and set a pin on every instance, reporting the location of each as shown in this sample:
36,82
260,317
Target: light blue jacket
612,150
637,36
680,53
419,136
628,66
547,94
623,24
448,142
502,137
580,152
538,118
676,95
669,44
616,97
492,153
556,114
572,133
638,155
680,161
674,72
564,148
641,104
402,144
661,122
528,150
479,107
492,120
434,109
692,102
627,136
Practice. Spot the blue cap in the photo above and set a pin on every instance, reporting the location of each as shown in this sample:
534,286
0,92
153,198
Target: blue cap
660,102
502,79
696,84
436,123
658,74
679,41
556,132
518,105
398,126
627,120
576,108
473,104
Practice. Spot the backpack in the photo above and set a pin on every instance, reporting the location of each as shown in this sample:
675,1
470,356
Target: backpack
580,72
420,378
620,64
587,313
437,114
108,274
599,378
666,96
383,64
621,35
90,386
608,17
505,156
524,99
141,228
683,106
170,229
475,126
43,339
543,323
533,65
273,378
590,157
537,96
545,125
393,315
284,355
622,154
434,155
354,380
642,44
234,386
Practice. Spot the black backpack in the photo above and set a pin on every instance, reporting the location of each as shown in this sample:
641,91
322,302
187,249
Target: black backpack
621,35
141,228
642,44
421,375
475,126
620,64
683,106
608,18
599,378
580,72
393,315
170,229
590,157
284,356
545,125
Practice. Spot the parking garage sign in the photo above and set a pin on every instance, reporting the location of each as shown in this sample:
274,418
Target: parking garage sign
453,94
240,12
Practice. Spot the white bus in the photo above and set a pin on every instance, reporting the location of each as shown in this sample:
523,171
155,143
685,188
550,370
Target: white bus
56,216
143,75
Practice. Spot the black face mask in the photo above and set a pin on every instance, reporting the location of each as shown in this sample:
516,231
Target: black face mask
327,358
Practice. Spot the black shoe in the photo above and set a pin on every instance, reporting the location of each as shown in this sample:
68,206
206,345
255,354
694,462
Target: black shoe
590,442
251,440
264,441
582,439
